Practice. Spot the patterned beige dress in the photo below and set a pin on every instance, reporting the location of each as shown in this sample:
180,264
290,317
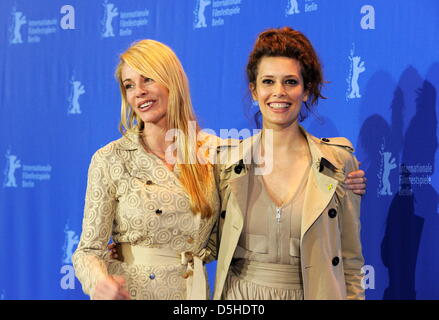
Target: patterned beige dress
135,199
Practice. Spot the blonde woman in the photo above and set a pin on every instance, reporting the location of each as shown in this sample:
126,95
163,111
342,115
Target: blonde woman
156,197
161,211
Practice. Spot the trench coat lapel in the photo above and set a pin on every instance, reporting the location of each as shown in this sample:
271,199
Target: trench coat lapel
234,221
140,165
239,185
129,147
239,189
319,190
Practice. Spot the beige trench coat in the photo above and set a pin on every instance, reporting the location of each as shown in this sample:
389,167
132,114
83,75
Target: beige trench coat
133,198
330,247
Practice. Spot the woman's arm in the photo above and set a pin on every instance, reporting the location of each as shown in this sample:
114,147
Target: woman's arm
89,258
352,255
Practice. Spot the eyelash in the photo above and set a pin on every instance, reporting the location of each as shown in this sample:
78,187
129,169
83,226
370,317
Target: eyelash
145,80
289,81
294,81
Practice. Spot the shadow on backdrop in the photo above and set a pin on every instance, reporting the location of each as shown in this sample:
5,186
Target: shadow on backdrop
427,201
416,197
374,141
426,197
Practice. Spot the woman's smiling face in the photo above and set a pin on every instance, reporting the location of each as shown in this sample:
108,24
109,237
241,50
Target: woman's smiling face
148,98
279,90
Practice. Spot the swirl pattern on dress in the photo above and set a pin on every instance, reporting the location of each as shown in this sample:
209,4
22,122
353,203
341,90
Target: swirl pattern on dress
133,197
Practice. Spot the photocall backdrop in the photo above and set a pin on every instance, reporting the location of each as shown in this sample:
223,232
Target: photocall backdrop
59,103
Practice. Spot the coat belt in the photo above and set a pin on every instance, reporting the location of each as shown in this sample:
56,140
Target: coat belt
196,282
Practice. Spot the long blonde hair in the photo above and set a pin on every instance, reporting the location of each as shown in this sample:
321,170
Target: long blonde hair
157,61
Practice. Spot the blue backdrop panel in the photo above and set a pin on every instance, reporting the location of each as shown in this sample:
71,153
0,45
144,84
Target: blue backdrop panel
59,103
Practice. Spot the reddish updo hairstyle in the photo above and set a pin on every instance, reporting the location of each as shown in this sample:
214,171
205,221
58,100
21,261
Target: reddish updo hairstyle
286,42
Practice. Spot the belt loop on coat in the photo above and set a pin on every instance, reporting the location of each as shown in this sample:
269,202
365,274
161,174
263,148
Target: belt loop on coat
196,278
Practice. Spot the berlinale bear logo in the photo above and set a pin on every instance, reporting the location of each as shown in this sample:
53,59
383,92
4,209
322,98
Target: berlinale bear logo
110,13
77,89
18,21
357,67
12,164
293,7
200,18
67,281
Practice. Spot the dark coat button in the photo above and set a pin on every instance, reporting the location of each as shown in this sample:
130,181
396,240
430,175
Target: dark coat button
152,276
158,211
325,139
238,169
149,182
335,261
332,213
223,214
